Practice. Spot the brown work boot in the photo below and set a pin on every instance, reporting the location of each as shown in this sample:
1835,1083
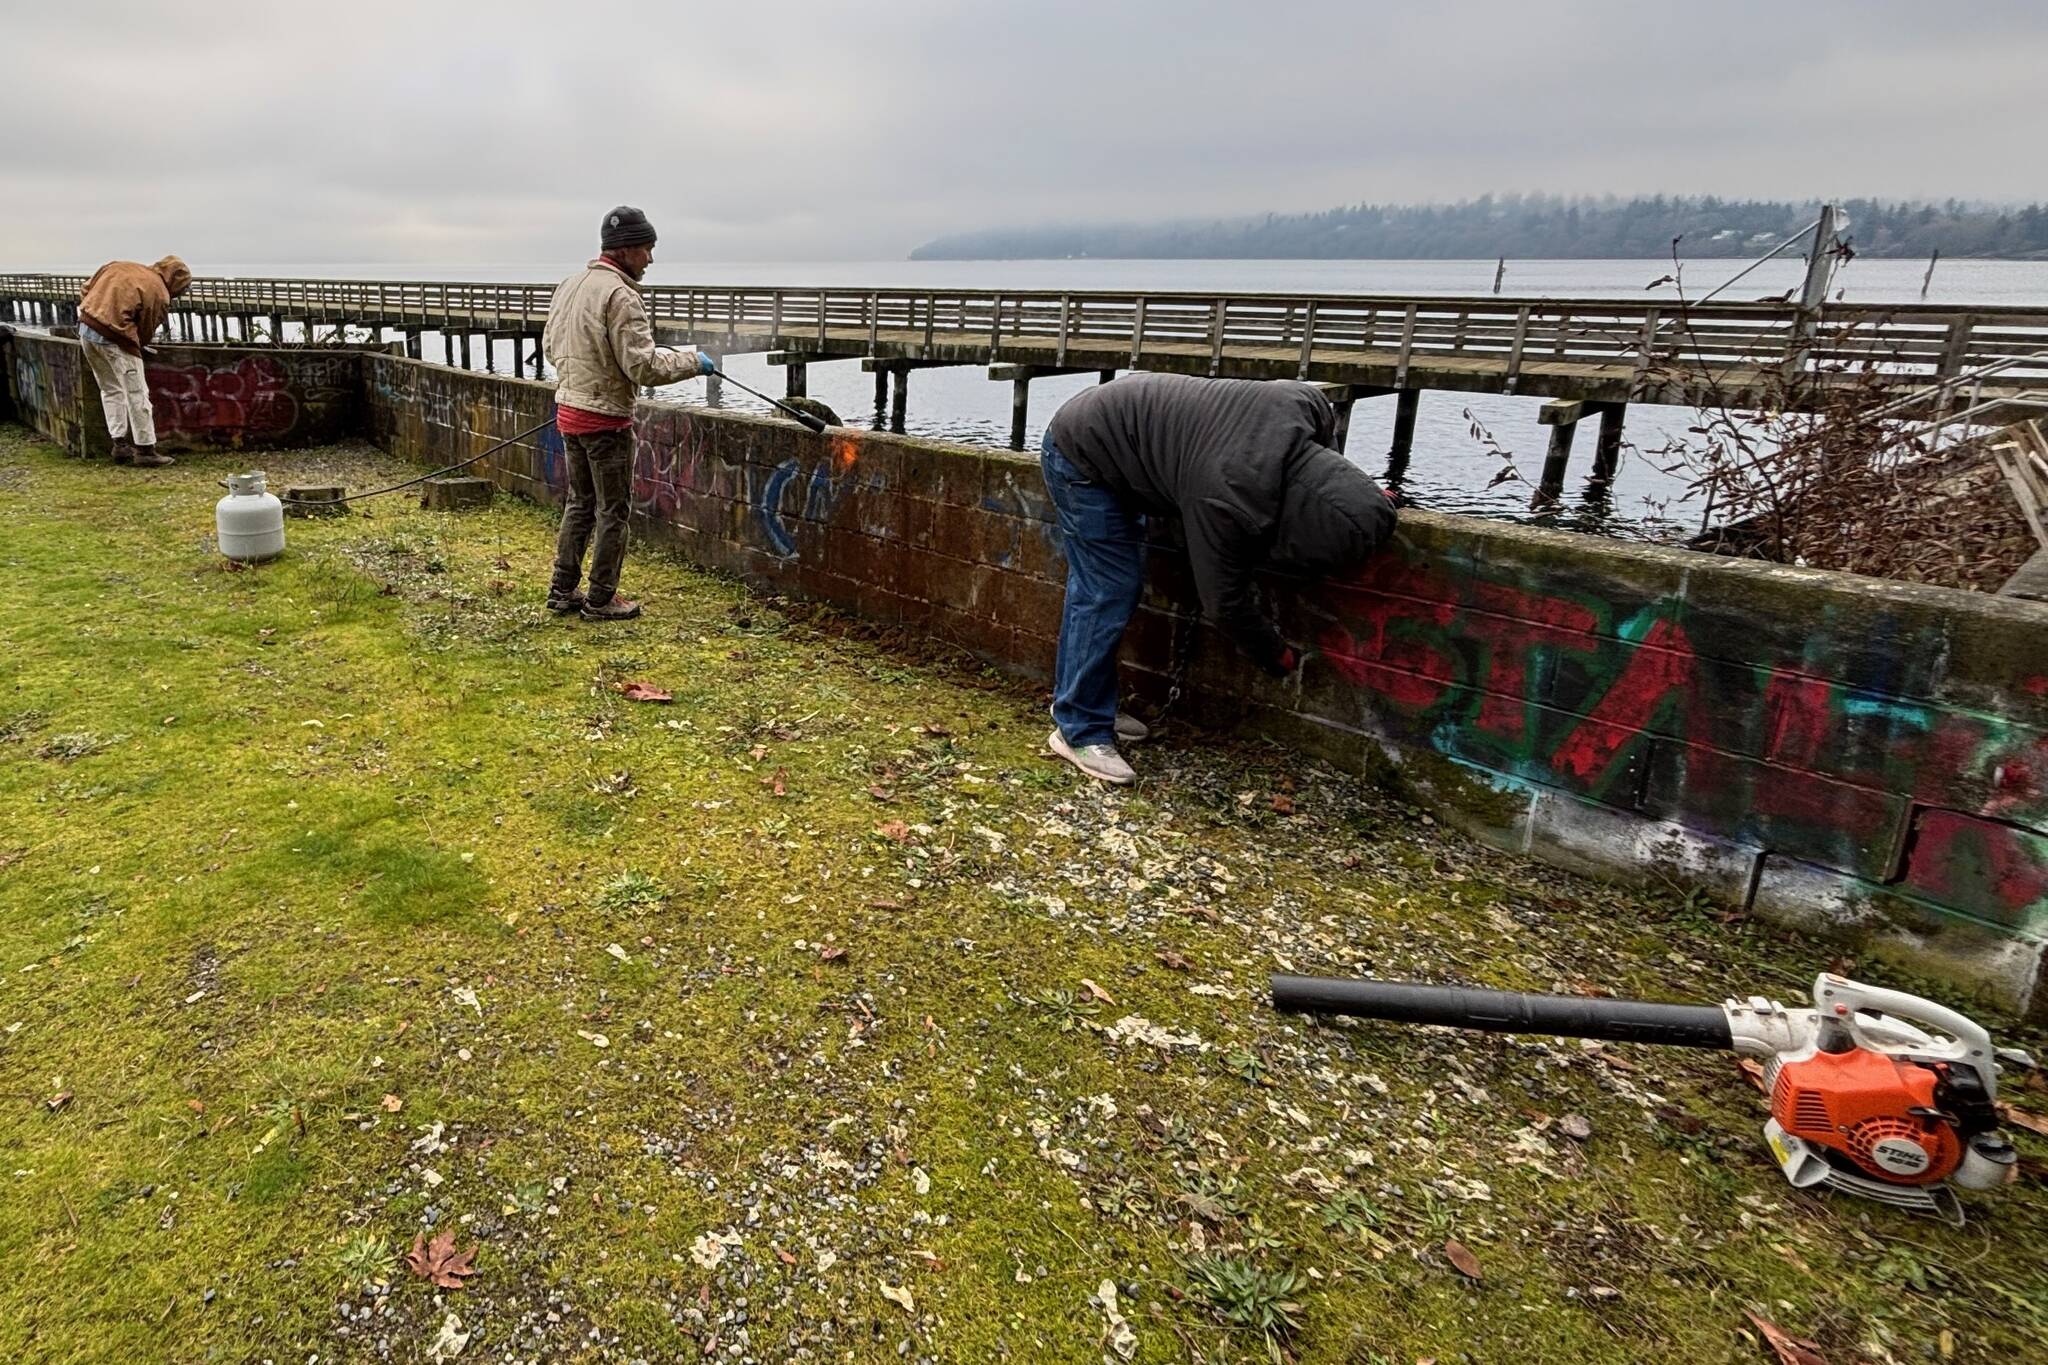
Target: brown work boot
149,457
617,609
124,450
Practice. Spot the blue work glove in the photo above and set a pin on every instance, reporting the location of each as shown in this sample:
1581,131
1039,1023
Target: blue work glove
707,363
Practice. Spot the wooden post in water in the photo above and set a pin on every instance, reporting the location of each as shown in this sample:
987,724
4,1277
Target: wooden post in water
465,350
1342,431
518,359
1020,410
881,390
1406,404
1500,272
1928,279
899,400
447,349
1562,417
1607,453
796,379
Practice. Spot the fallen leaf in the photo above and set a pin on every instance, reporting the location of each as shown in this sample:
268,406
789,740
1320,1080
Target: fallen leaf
1098,992
1576,1127
403,1025
2020,1118
784,1257
641,691
594,1039
1463,1259
1173,961
438,1262
616,951
196,1106
778,782
450,1342
57,1101
900,1297
1789,1350
830,952
1753,1070
1283,804
893,829
392,1104
879,793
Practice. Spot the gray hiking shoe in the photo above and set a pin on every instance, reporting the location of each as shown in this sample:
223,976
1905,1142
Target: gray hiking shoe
1100,761
149,457
124,450
562,606
1129,729
617,609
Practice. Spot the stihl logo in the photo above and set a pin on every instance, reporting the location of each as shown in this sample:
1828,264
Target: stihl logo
1900,1155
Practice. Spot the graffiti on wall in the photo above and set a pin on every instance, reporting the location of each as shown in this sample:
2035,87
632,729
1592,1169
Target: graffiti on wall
248,399
1621,704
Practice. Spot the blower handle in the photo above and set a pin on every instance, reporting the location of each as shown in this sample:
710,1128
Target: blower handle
1568,1016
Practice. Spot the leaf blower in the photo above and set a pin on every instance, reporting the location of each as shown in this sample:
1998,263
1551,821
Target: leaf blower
1872,1091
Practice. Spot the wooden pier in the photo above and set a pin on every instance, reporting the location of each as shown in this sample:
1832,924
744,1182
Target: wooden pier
1593,357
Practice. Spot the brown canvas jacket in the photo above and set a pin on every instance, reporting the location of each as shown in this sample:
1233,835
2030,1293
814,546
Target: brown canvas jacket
126,302
602,346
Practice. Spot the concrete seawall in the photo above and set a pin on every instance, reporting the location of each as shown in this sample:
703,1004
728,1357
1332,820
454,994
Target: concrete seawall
1861,759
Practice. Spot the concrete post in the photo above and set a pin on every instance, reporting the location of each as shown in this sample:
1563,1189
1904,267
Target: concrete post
1020,410
899,401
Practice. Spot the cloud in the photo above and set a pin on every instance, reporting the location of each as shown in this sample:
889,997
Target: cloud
462,132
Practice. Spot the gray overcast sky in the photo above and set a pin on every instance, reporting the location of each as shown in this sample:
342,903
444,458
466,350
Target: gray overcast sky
366,131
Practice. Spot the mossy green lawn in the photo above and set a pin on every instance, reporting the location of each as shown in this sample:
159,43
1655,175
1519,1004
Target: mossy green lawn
347,900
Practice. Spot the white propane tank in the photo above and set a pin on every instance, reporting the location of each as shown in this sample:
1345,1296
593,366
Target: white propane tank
249,521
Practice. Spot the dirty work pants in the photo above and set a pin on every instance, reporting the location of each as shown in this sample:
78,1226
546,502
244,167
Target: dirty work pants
600,498
1104,542
124,391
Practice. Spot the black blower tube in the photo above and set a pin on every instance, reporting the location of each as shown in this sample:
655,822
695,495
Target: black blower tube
1567,1016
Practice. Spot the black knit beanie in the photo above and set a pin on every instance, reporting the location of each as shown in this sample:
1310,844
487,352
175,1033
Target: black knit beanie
625,226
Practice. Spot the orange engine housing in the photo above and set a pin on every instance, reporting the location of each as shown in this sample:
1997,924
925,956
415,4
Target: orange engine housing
1860,1104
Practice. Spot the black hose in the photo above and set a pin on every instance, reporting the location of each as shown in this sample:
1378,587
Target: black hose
814,424
435,474
1568,1016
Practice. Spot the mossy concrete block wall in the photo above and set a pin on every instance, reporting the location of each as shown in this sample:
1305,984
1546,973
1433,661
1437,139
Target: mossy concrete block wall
204,397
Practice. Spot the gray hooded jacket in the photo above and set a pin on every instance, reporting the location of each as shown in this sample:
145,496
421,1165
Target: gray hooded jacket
1247,468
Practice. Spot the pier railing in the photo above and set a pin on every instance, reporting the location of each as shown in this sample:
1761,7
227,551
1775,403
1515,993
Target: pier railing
1911,340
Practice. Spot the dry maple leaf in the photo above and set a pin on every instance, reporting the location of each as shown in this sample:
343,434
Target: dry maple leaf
1100,994
392,1104
1463,1259
1753,1071
439,1262
1789,1350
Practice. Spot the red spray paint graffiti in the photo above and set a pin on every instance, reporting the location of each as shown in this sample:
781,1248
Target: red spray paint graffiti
250,398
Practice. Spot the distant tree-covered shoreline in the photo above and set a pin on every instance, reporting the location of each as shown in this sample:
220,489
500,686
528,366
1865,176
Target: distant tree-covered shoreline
1523,226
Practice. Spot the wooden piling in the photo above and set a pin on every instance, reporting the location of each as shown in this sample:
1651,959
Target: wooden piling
1343,428
465,350
1020,410
796,380
1407,403
1562,417
881,390
899,400
518,359
1607,453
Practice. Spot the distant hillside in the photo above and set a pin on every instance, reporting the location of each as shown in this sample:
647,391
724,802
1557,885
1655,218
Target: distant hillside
1531,227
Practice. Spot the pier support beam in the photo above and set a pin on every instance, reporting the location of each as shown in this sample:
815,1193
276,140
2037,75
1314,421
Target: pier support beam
465,350
1562,417
1607,453
797,371
899,399
412,342
1020,410
1407,404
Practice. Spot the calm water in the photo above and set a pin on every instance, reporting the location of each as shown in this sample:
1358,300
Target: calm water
1450,469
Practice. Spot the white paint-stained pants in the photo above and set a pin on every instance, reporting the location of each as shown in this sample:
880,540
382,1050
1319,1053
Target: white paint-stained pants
124,392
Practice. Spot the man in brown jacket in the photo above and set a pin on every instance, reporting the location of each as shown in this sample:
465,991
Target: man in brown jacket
602,347
119,311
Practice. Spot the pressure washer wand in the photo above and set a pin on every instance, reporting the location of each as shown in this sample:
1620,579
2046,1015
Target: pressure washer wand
814,424
1567,1016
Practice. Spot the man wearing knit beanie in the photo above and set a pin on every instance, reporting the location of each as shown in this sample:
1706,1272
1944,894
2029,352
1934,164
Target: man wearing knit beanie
602,347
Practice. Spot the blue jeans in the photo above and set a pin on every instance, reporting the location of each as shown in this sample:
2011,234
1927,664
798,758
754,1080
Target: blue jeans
1105,548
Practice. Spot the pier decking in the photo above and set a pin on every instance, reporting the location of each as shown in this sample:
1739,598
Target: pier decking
1595,355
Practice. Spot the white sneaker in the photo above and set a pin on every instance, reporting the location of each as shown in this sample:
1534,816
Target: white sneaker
1129,729
1100,761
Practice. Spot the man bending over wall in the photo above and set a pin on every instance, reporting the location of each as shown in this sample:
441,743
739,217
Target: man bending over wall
119,310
